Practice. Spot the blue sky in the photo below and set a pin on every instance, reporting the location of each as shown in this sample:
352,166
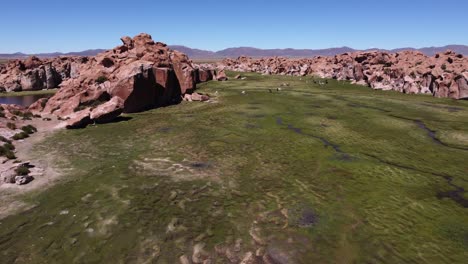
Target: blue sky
33,26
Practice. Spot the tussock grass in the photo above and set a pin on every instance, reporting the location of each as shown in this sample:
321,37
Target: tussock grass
363,182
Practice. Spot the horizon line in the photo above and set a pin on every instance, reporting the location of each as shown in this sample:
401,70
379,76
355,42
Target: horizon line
180,45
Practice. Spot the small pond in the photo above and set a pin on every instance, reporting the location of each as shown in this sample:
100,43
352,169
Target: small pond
23,100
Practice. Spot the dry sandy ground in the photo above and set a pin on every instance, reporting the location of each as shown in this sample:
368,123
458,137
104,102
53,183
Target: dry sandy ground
44,172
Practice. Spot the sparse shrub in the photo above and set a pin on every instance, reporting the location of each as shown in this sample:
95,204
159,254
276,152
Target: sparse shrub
79,108
443,67
9,146
44,102
7,152
10,155
1,108
29,129
17,113
101,79
25,115
4,139
11,125
2,114
21,135
22,170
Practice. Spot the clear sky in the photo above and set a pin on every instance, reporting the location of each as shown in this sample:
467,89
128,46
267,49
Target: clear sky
34,26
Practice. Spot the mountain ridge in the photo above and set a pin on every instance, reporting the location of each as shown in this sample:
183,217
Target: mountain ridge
251,52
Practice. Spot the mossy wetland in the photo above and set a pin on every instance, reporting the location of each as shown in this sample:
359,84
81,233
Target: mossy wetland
308,174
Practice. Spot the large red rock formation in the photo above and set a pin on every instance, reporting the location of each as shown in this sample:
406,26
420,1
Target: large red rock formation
444,75
141,73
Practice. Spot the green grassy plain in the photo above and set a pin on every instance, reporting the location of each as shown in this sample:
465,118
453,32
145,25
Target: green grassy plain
26,93
310,174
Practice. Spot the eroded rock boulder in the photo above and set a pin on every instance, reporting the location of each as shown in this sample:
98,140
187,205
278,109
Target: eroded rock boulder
221,75
107,111
23,179
79,119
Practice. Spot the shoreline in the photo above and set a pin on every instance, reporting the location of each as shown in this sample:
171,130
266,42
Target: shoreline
26,93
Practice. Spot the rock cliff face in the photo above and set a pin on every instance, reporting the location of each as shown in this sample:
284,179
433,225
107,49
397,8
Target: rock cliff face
444,75
36,74
140,74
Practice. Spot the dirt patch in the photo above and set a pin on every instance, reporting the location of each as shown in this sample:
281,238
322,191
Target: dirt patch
178,171
46,175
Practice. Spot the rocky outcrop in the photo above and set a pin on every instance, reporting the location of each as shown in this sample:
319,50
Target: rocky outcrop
444,75
138,75
36,74
142,73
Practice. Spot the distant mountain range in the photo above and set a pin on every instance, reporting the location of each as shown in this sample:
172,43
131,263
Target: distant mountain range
254,52
250,52
19,55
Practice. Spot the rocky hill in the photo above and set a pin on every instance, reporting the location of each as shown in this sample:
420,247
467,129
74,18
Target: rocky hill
443,75
138,75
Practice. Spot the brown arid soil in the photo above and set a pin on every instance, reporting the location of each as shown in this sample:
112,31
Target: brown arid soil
44,172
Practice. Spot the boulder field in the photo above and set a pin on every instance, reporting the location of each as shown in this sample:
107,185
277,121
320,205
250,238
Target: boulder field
444,75
138,75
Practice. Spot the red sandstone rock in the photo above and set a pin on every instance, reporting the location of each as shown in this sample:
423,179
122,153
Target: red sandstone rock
32,62
196,97
38,106
142,73
199,97
79,119
221,76
205,75
137,91
108,111
443,75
